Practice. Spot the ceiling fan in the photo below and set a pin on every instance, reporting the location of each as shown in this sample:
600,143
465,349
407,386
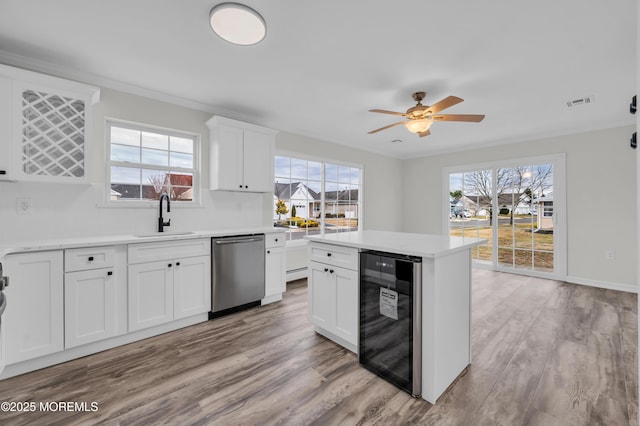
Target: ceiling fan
420,117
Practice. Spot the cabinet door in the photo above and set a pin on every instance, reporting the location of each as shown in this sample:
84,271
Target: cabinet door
192,286
226,159
5,129
258,161
274,273
150,294
346,302
321,294
33,319
90,306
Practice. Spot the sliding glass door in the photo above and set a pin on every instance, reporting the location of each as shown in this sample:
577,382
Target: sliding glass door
512,206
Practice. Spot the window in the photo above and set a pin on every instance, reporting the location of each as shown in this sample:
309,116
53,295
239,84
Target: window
143,162
548,209
315,197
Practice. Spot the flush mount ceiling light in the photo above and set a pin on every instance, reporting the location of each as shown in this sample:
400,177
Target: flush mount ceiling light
237,24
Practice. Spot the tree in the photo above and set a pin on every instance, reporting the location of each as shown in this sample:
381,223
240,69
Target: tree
281,208
293,211
456,195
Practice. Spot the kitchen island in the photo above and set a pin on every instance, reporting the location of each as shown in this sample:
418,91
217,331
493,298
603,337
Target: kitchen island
334,273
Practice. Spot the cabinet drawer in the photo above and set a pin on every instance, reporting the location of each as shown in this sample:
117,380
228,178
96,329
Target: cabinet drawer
168,250
83,259
274,240
335,255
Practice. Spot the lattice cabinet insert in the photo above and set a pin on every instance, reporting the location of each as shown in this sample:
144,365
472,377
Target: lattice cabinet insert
53,135
48,120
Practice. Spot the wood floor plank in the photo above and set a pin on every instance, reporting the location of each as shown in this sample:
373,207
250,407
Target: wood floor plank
571,351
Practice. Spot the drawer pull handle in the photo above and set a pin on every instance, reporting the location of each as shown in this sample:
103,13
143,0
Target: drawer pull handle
90,258
110,273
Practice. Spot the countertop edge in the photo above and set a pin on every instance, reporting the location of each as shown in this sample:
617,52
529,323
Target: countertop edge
440,252
27,246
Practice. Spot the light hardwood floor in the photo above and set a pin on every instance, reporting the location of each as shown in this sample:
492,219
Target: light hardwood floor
545,353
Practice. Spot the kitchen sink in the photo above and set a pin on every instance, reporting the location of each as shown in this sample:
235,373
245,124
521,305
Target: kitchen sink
163,234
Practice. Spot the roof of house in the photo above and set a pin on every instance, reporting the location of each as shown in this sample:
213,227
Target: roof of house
284,191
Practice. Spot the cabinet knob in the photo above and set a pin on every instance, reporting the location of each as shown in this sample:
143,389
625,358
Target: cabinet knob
170,265
239,186
331,271
328,254
246,186
90,258
110,273
326,269
276,240
268,251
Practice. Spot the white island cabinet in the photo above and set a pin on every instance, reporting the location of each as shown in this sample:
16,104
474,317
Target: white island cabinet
446,295
274,267
333,293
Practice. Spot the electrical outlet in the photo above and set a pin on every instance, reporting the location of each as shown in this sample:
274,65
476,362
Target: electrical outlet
609,254
23,206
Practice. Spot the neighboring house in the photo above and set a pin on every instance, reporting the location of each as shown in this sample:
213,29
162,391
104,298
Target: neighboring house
480,204
115,195
308,202
545,212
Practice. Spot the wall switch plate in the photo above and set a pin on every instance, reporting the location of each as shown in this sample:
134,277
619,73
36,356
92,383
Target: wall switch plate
609,254
23,206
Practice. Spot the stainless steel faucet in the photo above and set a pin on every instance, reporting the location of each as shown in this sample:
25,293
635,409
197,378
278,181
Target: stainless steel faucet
161,222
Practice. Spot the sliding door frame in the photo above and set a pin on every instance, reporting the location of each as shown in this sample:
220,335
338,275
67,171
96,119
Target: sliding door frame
558,162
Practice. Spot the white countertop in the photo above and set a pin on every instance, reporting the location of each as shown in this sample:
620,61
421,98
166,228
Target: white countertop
422,245
8,247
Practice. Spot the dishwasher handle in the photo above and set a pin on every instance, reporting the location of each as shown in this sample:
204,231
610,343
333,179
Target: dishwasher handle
235,241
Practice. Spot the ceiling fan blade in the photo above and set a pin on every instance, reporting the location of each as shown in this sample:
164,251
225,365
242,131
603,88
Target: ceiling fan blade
425,133
445,103
386,127
474,118
382,111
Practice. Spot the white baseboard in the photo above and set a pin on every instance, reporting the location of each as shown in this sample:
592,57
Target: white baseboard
602,284
296,274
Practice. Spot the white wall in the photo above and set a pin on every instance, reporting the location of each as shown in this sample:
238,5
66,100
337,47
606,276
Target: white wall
382,195
72,210
601,199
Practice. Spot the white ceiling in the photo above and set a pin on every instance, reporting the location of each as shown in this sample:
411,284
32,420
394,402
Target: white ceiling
324,64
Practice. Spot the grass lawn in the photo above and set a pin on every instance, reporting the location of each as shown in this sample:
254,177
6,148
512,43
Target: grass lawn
515,244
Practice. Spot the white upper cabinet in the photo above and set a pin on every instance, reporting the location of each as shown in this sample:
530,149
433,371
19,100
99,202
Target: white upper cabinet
241,156
45,126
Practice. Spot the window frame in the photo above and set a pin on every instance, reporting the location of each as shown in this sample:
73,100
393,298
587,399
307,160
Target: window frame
324,161
137,203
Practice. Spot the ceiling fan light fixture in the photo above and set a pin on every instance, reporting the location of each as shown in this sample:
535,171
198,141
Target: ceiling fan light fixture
237,23
419,126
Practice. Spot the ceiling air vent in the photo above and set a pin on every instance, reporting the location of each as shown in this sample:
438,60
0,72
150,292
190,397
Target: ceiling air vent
582,101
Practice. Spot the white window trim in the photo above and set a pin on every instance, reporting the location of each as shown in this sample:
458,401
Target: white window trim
197,188
560,208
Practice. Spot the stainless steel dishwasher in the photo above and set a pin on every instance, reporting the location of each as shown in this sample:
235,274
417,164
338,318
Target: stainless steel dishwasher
237,272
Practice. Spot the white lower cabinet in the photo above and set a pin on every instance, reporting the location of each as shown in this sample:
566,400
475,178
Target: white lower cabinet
150,294
95,301
275,282
171,288
33,323
333,301
191,286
